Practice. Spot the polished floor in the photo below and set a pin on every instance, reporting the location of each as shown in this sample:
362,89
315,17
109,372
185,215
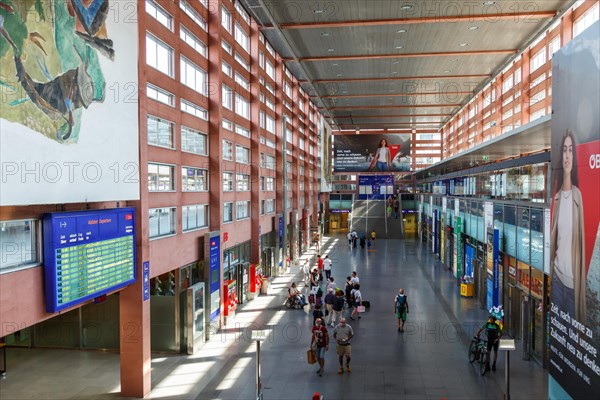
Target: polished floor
427,361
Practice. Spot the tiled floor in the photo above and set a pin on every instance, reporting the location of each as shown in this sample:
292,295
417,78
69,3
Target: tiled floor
428,361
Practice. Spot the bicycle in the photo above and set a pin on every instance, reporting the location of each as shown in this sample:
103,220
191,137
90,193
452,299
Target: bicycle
478,351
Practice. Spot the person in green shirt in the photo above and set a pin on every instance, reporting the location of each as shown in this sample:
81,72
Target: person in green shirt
494,333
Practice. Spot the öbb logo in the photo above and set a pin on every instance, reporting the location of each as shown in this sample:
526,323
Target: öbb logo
595,161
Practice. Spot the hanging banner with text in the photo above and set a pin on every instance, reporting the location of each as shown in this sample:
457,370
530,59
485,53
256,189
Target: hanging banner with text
575,232
372,153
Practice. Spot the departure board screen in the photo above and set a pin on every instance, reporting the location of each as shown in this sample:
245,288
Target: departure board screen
87,254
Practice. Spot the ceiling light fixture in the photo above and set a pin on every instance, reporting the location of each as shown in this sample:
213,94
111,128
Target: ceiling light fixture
399,47
325,34
407,7
401,31
318,11
447,71
335,65
396,62
394,72
463,44
473,28
488,3
330,50
339,75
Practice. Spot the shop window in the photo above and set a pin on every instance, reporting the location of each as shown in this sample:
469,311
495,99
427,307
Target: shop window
19,243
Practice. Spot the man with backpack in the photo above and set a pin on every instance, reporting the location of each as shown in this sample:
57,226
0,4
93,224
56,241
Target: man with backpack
401,309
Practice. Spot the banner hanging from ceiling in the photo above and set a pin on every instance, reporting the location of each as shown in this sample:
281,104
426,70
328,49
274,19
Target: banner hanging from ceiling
575,231
372,153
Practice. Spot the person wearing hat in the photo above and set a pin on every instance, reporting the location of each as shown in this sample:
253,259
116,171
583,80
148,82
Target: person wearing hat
329,300
494,333
401,309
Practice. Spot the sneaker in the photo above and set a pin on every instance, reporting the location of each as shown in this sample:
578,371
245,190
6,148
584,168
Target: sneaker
319,371
399,330
348,370
359,316
487,367
493,366
341,370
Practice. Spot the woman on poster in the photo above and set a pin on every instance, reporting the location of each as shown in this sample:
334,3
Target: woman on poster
567,246
383,157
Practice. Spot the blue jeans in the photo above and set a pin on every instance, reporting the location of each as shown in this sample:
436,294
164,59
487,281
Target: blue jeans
563,296
382,166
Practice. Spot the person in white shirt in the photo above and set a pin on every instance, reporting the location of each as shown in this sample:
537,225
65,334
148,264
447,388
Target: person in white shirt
327,267
383,157
357,295
354,280
349,236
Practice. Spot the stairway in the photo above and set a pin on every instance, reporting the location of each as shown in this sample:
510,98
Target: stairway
369,215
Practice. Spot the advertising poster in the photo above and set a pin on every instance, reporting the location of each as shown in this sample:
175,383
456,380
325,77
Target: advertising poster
575,233
372,153
69,101
214,254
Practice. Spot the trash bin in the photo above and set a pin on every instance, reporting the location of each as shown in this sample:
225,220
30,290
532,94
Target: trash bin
264,289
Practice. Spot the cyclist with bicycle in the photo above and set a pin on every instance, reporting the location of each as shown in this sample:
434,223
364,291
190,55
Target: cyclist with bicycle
494,333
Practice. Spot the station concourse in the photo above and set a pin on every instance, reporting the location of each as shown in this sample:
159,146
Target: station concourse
427,361
169,167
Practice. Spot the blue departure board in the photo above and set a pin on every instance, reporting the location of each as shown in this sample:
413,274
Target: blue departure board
87,254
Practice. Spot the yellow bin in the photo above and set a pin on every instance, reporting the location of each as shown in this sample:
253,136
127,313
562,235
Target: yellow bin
467,289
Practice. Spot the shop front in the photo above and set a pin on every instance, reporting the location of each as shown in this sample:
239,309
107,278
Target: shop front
339,220
236,271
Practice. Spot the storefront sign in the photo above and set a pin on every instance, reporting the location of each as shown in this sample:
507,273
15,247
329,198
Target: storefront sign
215,274
495,269
434,230
574,326
547,235
459,248
339,211
488,209
469,258
456,208
146,279
280,232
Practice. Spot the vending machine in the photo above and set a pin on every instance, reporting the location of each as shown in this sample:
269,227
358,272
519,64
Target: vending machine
230,298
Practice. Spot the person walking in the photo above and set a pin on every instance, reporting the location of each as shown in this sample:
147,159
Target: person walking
317,312
330,284
401,309
348,291
349,236
354,278
329,300
338,307
373,235
354,238
327,267
357,296
342,334
320,343
320,266
396,207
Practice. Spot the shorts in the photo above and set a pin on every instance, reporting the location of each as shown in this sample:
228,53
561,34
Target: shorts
320,353
356,304
401,316
343,350
492,344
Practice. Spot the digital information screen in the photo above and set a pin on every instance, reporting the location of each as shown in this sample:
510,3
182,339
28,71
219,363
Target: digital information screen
87,254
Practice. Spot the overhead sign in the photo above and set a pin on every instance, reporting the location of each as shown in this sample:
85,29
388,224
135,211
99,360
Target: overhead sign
372,153
87,254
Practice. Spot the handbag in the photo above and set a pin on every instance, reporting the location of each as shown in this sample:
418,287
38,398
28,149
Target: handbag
311,357
360,309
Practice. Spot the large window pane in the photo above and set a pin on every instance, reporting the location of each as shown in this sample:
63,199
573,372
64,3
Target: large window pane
523,241
19,247
162,222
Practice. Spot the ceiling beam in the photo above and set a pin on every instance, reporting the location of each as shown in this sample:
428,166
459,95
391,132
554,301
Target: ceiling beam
392,116
401,78
354,96
491,18
404,55
386,107
383,130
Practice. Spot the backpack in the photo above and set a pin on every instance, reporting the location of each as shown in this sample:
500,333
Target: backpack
400,304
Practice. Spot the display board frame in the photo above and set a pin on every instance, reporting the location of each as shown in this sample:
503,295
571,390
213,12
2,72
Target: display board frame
77,236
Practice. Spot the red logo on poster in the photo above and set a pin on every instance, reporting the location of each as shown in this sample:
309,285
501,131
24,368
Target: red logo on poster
128,217
225,236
